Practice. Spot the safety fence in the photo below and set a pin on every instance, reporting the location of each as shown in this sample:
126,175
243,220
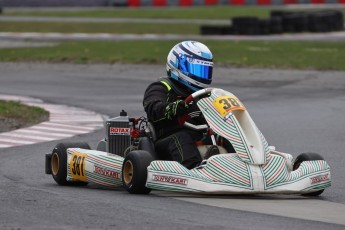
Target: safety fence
159,3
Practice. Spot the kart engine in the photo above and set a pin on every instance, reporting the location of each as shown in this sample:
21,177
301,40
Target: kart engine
118,134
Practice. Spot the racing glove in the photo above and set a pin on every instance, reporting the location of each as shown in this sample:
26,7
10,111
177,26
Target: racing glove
175,109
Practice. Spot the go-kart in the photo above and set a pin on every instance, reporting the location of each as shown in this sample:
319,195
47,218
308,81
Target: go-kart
126,157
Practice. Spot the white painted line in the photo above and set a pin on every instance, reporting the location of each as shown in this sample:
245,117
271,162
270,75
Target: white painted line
40,134
5,146
67,126
330,36
31,137
95,125
16,141
57,129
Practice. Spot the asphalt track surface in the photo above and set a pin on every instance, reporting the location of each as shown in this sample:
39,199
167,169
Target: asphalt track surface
297,111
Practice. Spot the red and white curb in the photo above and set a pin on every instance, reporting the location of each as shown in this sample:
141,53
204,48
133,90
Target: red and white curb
64,122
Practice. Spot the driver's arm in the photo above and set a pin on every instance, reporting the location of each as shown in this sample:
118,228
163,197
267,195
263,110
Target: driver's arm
157,105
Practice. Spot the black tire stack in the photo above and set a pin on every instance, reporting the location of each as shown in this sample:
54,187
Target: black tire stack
281,22
246,25
215,30
326,21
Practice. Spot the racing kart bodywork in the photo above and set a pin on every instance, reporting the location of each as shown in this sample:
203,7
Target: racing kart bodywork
254,166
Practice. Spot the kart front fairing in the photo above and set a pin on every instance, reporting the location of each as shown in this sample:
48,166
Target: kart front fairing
254,168
227,116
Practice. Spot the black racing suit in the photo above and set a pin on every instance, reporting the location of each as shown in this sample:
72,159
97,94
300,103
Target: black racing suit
174,142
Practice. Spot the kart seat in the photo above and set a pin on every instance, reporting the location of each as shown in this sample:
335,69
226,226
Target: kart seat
146,143
203,150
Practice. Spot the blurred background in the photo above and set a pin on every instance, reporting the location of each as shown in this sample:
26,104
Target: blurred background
297,34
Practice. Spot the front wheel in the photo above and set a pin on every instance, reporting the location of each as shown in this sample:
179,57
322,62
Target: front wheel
59,162
134,171
308,157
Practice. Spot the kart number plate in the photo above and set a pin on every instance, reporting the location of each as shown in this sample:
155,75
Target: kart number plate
225,104
77,166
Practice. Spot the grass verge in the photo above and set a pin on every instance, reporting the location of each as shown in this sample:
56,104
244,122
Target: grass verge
196,12
14,115
116,28
209,12
263,54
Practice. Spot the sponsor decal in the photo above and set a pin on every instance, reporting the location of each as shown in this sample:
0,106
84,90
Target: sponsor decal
119,131
170,179
320,178
106,172
200,62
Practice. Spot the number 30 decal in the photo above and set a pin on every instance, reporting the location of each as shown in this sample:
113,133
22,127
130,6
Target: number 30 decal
225,104
77,166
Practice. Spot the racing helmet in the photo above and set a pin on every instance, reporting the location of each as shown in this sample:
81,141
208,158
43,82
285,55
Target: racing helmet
190,63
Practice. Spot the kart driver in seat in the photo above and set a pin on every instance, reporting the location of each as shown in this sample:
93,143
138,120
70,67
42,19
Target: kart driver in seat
189,69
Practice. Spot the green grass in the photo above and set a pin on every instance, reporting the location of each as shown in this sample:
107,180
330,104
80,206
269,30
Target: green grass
266,54
198,12
209,12
21,115
116,28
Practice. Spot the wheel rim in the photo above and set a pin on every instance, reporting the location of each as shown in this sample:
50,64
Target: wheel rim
55,164
128,172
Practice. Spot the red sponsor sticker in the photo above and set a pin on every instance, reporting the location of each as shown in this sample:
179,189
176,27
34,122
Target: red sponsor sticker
119,131
106,172
320,178
169,179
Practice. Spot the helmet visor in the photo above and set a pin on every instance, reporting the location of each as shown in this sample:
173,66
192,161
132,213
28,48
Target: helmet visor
199,70
202,72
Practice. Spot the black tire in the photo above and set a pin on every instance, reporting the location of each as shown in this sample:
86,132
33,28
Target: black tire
279,13
276,25
295,22
134,171
324,21
264,26
308,157
59,162
213,30
246,25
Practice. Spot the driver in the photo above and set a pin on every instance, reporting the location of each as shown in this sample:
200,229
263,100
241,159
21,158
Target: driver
189,69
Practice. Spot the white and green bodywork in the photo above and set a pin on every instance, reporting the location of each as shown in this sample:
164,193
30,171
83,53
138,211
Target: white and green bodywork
254,168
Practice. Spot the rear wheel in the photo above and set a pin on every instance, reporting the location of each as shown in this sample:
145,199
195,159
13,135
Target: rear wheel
134,171
308,157
59,162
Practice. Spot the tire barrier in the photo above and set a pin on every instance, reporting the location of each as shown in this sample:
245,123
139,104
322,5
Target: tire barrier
216,30
281,22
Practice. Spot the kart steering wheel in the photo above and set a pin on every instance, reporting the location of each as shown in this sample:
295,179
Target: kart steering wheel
194,97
